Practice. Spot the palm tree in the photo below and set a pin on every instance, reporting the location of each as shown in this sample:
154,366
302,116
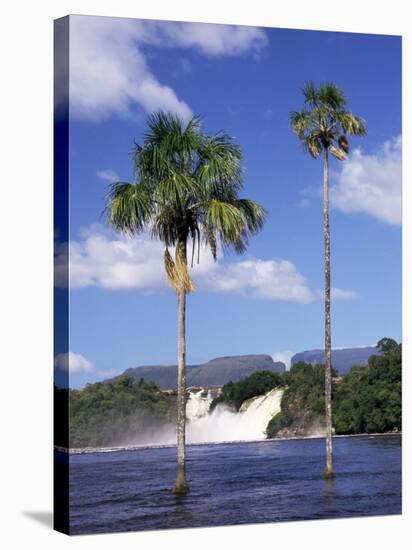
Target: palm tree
323,126
185,192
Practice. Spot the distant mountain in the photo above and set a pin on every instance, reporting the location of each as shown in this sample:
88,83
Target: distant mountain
342,359
208,375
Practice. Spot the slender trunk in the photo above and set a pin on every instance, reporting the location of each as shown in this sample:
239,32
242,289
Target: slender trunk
328,472
181,487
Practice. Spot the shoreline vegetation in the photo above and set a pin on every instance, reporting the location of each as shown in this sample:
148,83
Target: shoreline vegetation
121,414
92,450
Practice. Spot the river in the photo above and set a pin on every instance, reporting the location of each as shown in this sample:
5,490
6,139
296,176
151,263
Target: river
234,483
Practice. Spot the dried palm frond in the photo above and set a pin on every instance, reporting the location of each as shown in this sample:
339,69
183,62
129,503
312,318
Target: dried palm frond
177,273
182,275
337,153
170,268
343,143
314,146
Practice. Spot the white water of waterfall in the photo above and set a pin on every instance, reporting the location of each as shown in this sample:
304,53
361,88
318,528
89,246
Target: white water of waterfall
198,404
249,424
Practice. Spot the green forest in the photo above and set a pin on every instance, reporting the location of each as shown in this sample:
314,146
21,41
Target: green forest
104,414
367,399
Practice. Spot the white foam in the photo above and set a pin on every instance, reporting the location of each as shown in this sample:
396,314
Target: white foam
225,425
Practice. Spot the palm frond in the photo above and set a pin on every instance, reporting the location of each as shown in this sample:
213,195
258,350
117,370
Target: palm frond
128,207
343,143
301,123
310,94
330,95
313,145
164,226
189,186
232,223
219,171
176,188
254,215
210,239
177,272
182,274
337,153
226,219
170,269
351,124
324,120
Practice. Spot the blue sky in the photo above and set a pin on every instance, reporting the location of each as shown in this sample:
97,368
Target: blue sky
245,81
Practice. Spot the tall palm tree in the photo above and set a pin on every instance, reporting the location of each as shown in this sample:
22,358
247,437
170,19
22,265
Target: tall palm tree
323,126
185,192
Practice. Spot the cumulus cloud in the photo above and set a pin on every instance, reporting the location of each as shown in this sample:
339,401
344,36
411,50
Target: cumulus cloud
123,263
110,75
266,279
213,39
76,363
371,183
72,362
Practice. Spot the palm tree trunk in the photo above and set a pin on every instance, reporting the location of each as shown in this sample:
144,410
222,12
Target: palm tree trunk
181,487
328,472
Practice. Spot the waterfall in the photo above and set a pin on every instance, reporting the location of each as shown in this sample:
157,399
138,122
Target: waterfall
198,403
223,424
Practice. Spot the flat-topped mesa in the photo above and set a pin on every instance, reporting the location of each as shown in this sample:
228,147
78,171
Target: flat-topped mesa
214,373
342,359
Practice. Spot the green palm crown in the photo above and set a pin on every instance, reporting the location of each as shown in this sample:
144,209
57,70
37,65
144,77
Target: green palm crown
324,122
186,189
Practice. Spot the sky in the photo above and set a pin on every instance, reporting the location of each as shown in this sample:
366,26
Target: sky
245,81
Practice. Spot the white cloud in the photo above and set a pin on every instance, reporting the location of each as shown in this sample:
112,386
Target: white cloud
213,39
284,357
72,362
343,294
355,347
339,294
371,183
76,363
266,279
109,71
108,175
123,263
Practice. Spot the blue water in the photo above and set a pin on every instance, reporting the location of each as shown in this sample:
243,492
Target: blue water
234,483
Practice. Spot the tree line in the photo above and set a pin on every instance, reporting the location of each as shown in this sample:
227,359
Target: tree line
367,399
107,414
